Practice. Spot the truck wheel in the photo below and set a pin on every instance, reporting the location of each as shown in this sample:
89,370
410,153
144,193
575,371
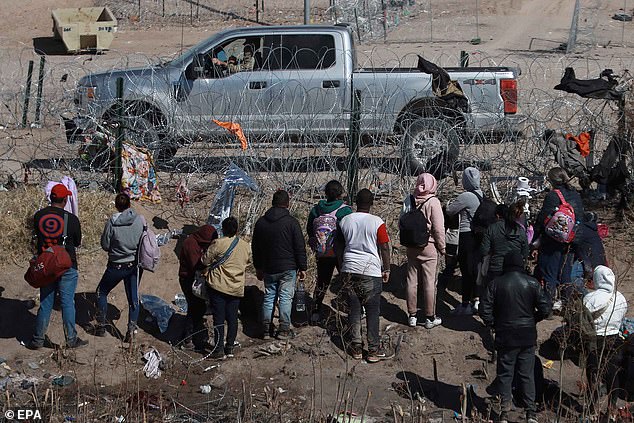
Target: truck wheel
430,145
142,133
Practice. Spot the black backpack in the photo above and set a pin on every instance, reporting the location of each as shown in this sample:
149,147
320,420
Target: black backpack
484,216
413,226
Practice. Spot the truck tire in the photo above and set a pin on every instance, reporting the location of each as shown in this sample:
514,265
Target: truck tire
142,133
430,145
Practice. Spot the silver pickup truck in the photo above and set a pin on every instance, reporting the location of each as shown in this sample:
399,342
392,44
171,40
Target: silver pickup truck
297,82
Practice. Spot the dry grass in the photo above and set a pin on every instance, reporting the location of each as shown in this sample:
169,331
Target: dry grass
16,225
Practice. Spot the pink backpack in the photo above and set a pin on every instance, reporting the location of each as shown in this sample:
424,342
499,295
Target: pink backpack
324,228
561,225
149,251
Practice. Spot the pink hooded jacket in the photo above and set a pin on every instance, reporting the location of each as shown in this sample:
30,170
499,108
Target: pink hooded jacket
424,190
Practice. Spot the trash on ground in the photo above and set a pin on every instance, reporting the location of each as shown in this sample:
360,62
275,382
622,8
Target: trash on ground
152,366
205,389
273,349
548,364
159,309
63,380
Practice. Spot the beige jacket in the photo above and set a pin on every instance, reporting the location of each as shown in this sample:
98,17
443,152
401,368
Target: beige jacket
229,277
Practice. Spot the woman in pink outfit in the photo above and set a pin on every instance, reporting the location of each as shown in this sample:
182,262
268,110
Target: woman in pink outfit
422,262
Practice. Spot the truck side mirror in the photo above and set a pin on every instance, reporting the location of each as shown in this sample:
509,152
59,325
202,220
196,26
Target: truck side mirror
196,68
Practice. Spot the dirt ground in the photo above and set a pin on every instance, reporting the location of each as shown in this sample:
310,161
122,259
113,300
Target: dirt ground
314,377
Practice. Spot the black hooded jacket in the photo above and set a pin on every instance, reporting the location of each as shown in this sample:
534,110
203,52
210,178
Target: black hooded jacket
278,243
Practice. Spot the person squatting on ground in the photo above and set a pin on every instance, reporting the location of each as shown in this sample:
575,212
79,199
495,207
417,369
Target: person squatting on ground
513,304
49,224
365,266
554,256
503,237
227,260
422,262
605,359
321,229
279,258
190,260
120,238
466,204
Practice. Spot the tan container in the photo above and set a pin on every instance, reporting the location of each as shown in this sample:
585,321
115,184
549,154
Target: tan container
84,28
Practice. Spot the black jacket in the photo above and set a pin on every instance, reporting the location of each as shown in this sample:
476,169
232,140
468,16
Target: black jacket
49,228
513,303
499,240
552,201
278,243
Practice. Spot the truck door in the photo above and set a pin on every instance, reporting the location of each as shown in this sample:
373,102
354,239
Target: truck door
232,89
308,89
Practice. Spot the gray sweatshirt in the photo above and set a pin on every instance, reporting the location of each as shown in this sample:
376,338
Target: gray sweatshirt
121,236
467,203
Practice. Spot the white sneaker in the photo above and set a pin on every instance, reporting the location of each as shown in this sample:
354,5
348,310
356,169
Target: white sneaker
557,305
476,305
430,324
412,321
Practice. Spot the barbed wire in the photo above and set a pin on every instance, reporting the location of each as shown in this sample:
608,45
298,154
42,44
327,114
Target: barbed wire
303,163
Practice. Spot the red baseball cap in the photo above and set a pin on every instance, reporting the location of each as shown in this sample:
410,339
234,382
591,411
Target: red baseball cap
60,191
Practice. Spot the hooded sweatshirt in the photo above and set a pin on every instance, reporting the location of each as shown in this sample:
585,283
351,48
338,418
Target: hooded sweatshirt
605,296
468,202
121,236
425,193
278,243
323,207
193,249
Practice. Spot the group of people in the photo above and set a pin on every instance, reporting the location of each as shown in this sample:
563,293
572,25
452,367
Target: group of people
492,258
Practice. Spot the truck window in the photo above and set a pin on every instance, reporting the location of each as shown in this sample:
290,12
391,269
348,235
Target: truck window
232,56
301,51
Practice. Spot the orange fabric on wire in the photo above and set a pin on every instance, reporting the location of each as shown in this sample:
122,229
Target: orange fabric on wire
235,129
583,142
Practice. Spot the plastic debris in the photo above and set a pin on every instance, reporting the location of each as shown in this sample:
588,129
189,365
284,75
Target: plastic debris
63,380
548,364
223,201
34,366
205,389
180,302
153,360
159,309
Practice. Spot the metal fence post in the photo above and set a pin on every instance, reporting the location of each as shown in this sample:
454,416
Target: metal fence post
40,87
119,143
353,148
27,93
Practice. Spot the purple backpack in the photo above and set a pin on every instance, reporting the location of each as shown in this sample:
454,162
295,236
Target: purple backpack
149,251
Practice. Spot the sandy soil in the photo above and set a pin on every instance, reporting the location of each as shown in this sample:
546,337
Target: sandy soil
315,368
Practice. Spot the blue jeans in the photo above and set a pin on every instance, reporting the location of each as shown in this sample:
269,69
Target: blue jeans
555,264
114,274
225,308
364,291
65,286
279,286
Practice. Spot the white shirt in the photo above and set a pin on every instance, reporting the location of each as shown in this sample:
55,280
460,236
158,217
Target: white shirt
363,232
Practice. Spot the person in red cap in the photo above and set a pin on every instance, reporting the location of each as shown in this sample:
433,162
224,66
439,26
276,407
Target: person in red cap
54,226
194,247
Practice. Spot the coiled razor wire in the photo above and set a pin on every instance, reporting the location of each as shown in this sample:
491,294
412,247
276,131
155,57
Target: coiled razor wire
305,164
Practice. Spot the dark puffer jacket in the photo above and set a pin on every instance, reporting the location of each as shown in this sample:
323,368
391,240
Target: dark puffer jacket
513,304
499,240
278,243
